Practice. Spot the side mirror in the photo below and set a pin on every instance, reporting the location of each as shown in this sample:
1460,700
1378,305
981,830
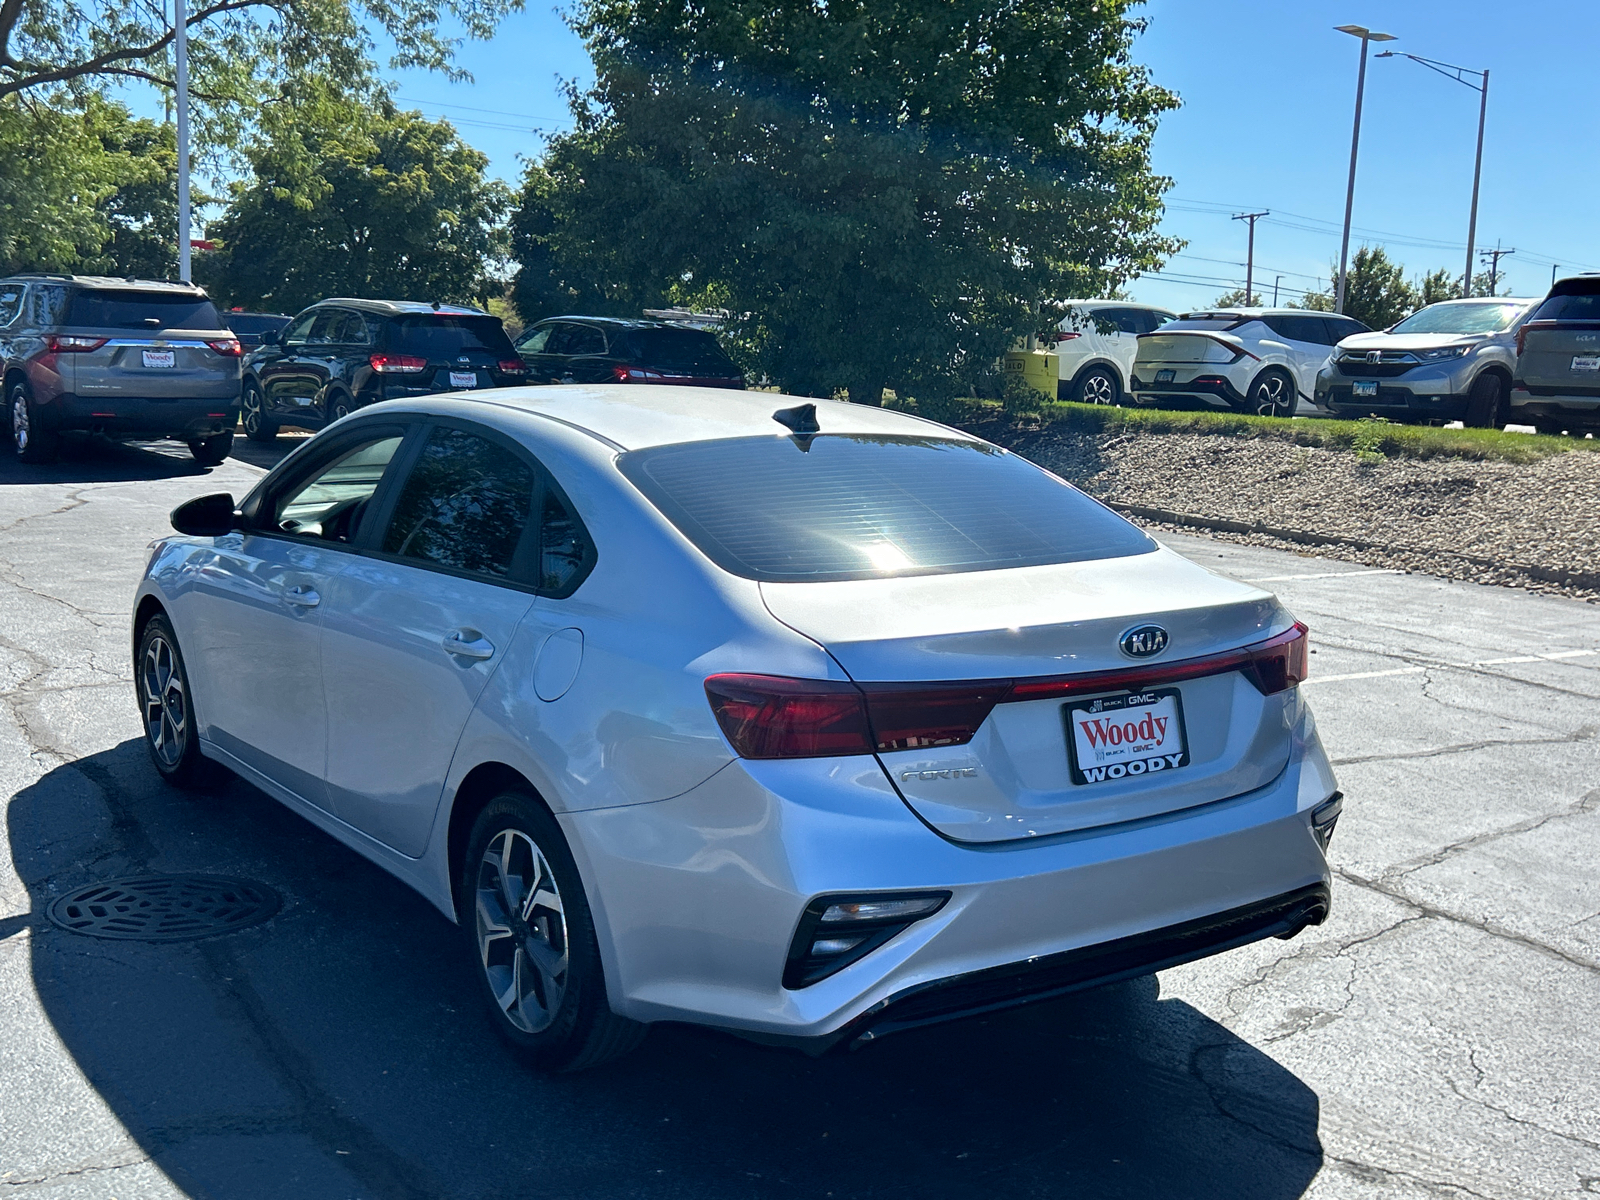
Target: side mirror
270,337
207,516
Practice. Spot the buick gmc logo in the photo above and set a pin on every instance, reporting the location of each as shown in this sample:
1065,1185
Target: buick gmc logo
1143,641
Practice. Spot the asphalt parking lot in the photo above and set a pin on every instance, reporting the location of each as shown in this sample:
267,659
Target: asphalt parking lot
1437,1038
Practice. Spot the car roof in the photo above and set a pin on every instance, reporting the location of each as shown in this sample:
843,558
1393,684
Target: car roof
400,308
632,417
1254,314
244,312
112,283
619,322
1091,304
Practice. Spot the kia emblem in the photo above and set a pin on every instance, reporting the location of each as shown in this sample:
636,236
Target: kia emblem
1143,641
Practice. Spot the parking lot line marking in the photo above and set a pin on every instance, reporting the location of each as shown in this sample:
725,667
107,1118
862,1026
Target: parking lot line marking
1527,658
1326,575
1363,675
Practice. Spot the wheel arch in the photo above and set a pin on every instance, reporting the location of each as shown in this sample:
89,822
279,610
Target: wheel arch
480,785
149,606
1099,361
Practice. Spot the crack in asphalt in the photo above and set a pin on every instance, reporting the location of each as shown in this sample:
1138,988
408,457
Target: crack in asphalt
1365,1172
1382,888
1506,1113
74,1172
1579,735
1587,804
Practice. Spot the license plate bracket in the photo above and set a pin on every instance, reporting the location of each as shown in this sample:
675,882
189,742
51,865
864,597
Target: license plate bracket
1118,737
159,358
1586,363
463,379
1364,389
1166,376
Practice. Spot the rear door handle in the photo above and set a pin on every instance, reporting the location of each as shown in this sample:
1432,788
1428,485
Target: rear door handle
477,647
304,596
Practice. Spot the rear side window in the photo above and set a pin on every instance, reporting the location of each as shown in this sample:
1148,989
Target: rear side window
253,326
464,505
681,351
833,507
582,339
142,310
10,304
445,336
565,552
1299,329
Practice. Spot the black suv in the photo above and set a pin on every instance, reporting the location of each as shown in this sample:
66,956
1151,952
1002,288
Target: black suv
339,355
612,350
249,326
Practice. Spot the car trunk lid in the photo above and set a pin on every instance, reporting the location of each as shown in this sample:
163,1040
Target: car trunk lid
1017,776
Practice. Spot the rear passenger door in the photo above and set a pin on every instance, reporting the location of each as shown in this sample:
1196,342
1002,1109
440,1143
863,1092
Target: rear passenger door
585,350
1309,342
415,627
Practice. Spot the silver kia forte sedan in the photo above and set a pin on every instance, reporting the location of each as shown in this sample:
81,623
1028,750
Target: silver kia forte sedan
811,722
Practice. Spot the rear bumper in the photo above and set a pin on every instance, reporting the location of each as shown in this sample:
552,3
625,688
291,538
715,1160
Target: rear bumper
142,416
698,898
1214,390
1526,403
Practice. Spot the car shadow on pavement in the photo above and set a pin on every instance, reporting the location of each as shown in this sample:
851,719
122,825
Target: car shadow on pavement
96,459
338,1050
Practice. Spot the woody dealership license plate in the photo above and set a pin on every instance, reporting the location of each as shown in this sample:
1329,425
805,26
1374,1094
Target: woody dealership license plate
1115,737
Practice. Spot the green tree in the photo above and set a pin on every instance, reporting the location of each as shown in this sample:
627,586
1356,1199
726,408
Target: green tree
1376,292
86,187
889,193
1315,302
242,52
1436,286
1236,299
341,200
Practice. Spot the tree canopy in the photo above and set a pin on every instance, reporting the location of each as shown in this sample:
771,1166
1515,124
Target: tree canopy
882,193
355,202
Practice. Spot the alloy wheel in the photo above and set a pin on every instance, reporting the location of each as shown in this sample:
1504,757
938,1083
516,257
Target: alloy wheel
19,421
338,409
1274,397
252,412
166,707
1098,389
522,931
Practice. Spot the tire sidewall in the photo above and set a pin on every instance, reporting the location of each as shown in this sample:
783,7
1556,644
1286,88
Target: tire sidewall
41,442
554,1047
1260,380
1098,372
266,430
191,765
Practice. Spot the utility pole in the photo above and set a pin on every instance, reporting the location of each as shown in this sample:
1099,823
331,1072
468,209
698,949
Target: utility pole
1250,256
1494,256
180,44
1366,35
1275,284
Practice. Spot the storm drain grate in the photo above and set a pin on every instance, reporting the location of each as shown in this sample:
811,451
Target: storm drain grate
165,908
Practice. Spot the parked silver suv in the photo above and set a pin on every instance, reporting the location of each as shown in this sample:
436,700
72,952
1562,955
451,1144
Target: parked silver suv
1557,382
1450,361
127,357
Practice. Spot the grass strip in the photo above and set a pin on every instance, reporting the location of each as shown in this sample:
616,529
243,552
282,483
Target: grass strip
1367,439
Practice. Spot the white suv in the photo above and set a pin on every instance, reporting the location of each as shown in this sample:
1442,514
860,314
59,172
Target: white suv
1255,360
1096,341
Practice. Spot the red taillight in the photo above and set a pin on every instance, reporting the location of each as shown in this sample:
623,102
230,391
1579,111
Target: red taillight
71,344
513,366
767,716
1279,663
229,347
397,364
771,716
620,374
634,374
1067,337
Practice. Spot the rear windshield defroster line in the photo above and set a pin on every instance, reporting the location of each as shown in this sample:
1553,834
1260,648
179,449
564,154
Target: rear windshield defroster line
837,507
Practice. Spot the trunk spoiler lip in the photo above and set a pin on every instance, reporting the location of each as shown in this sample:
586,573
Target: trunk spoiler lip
1049,687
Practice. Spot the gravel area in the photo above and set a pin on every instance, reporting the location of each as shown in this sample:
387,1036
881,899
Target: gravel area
1534,526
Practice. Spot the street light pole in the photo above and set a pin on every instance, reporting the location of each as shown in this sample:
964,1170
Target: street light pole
1366,35
1459,74
180,45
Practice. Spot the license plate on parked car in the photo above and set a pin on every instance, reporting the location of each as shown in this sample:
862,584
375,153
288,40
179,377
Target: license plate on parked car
1364,387
1165,376
160,358
1115,737
463,379
1586,362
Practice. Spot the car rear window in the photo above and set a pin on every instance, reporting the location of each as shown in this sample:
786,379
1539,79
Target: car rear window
1569,308
682,351
1461,316
447,336
835,506
123,309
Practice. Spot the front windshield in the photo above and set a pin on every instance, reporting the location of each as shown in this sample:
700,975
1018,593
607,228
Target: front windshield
1460,316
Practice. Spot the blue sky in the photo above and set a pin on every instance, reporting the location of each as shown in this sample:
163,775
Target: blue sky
1268,90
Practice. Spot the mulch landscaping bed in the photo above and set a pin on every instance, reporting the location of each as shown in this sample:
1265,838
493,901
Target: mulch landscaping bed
1530,524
